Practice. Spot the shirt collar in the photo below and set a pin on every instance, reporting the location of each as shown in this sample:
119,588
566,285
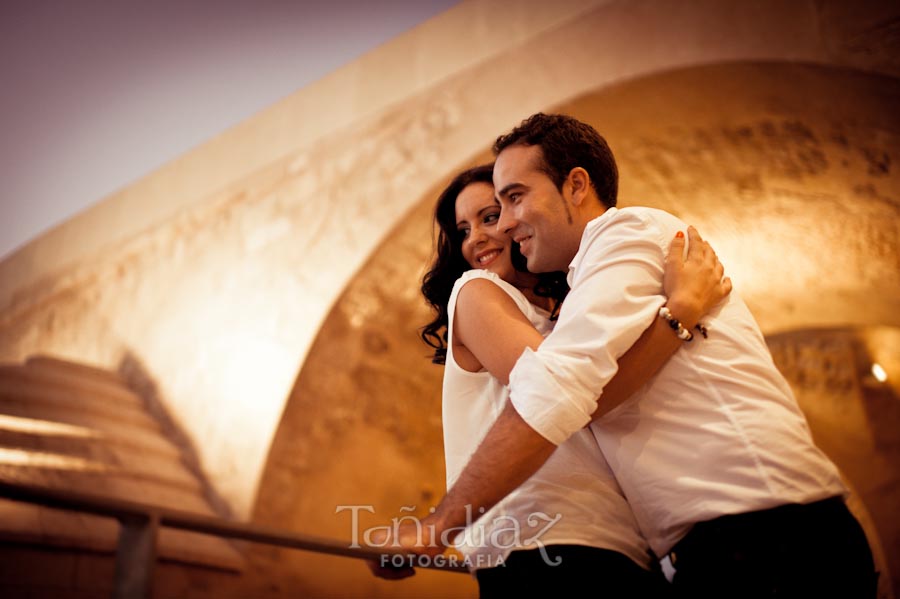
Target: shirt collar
582,245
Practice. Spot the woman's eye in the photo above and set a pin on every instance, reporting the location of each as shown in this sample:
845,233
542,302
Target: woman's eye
491,218
463,233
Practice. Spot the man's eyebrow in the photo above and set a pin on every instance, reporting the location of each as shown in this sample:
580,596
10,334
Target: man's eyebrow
507,189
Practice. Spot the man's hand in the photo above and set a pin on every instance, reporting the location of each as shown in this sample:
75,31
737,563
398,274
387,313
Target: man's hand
407,539
390,572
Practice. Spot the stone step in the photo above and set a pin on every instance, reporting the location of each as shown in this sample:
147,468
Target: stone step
108,455
69,381
66,367
75,422
49,397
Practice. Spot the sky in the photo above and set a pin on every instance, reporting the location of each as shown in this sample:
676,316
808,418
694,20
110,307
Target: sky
98,93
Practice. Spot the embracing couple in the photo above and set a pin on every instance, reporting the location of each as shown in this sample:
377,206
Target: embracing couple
599,370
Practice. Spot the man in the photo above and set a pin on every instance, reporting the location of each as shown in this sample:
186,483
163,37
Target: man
713,455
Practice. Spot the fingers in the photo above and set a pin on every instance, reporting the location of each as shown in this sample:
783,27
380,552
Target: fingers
676,249
726,285
719,270
694,235
698,249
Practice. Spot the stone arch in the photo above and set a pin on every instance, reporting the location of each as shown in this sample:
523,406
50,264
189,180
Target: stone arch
776,163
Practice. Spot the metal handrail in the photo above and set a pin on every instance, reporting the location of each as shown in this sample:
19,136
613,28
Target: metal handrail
136,552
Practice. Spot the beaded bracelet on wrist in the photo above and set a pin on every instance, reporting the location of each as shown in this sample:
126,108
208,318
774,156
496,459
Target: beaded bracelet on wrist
680,331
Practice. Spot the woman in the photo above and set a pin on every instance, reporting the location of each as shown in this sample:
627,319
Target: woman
569,522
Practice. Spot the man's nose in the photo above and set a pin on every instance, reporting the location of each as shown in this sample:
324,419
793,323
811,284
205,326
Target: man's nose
507,222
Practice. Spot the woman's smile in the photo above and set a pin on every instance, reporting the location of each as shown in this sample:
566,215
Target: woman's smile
485,258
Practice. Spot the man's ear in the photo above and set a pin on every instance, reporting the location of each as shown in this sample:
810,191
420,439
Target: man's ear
579,183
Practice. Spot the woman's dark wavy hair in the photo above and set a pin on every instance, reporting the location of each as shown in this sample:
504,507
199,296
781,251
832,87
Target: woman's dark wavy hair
448,263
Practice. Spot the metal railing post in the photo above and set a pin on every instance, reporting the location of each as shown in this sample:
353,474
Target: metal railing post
135,557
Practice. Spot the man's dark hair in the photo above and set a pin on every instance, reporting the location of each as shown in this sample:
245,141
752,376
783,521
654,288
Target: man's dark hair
567,143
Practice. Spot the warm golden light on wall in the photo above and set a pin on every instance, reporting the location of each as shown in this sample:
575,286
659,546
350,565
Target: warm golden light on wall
879,373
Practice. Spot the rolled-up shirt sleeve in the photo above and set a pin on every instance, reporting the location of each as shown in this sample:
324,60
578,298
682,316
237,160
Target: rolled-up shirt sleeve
616,281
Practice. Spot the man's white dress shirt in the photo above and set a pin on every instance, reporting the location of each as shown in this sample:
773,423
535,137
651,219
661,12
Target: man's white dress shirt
716,431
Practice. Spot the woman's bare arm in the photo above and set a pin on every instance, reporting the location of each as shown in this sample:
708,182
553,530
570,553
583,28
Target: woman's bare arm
490,325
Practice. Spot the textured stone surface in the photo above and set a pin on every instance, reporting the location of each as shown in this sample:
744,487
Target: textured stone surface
67,427
790,171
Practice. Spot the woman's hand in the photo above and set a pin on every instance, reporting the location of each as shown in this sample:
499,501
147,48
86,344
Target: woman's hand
695,283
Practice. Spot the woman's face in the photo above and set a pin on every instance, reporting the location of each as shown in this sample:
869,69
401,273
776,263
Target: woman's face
483,244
